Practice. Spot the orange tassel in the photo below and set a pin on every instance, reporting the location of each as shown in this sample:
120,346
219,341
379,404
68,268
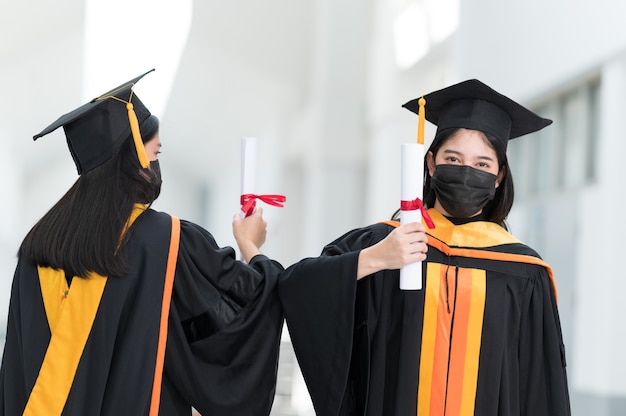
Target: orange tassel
134,128
421,119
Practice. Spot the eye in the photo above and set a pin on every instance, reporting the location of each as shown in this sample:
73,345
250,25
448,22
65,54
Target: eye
452,159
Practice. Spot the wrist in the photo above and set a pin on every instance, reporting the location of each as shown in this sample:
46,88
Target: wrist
248,250
369,262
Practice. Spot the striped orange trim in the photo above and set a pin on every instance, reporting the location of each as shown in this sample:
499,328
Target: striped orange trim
466,339
165,311
451,338
492,255
458,348
429,337
480,254
474,331
443,337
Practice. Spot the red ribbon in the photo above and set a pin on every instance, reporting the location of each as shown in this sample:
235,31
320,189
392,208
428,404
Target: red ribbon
415,205
248,201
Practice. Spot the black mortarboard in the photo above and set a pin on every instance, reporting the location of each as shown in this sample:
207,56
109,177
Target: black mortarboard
96,130
474,105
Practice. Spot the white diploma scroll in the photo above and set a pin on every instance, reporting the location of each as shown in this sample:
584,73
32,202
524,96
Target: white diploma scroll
411,187
248,166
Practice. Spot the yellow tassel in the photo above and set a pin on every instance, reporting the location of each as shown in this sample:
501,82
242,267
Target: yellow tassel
421,119
134,128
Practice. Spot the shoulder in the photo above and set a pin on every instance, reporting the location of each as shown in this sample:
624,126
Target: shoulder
503,240
373,231
359,238
150,228
521,249
153,228
152,220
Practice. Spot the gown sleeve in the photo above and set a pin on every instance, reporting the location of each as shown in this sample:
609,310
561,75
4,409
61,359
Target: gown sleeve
543,380
16,375
318,297
224,330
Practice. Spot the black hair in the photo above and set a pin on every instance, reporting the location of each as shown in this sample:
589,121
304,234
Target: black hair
149,127
83,231
499,207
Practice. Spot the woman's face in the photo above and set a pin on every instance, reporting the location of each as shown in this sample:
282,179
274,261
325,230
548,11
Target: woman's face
153,147
466,147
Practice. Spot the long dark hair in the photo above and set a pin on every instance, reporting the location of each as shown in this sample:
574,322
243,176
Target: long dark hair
499,207
82,232
149,127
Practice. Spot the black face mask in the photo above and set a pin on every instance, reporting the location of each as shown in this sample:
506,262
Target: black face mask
156,168
151,183
462,190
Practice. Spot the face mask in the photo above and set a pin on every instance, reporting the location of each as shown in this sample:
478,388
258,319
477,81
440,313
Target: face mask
152,190
462,190
156,168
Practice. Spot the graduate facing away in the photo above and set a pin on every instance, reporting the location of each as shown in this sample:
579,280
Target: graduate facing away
117,309
483,336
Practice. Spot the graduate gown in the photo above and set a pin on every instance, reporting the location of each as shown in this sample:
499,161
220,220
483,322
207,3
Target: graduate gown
481,338
222,338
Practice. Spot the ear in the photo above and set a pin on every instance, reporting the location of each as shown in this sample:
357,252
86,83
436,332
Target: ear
430,161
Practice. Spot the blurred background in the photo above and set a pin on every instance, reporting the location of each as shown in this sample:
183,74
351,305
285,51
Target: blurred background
320,84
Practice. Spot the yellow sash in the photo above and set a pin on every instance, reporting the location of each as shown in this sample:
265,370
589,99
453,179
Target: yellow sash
71,313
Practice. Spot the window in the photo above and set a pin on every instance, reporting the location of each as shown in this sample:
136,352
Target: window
562,156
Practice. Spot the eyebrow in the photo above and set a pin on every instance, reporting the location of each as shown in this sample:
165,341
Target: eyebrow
456,152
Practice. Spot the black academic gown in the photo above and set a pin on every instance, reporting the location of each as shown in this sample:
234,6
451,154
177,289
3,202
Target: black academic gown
223,335
481,338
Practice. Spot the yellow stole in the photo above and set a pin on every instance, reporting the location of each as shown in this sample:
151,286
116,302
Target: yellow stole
71,312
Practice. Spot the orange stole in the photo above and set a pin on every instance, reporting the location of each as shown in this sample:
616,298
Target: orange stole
170,272
451,336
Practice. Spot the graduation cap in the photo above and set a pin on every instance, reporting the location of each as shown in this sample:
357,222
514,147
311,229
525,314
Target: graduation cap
474,105
96,130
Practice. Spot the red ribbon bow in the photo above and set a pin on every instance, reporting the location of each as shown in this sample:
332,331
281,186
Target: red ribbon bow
248,201
415,205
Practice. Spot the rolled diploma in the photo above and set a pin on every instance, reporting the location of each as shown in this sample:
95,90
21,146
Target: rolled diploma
411,187
248,167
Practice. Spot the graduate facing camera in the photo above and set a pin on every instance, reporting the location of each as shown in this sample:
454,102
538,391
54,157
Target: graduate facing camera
483,336
117,309
474,109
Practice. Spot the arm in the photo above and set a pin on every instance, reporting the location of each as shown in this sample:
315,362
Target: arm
404,245
319,299
224,328
250,233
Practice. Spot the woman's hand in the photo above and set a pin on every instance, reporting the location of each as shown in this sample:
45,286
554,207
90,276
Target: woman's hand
250,233
404,245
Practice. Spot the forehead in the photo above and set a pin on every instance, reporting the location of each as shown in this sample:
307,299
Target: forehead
468,145
467,138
